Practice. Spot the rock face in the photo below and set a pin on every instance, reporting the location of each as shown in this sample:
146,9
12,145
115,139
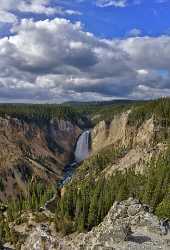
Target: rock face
140,142
28,150
128,225
105,134
118,132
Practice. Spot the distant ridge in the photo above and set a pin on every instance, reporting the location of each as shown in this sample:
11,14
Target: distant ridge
103,103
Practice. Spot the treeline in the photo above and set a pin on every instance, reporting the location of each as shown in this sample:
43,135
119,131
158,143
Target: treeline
158,109
98,111
85,203
43,113
39,113
141,110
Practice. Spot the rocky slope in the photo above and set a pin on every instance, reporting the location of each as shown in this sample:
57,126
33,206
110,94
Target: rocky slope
141,143
119,132
29,150
128,225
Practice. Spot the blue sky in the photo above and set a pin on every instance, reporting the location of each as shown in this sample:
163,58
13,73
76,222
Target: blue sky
151,17
59,50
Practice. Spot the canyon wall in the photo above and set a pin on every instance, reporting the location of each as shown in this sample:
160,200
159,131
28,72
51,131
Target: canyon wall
29,150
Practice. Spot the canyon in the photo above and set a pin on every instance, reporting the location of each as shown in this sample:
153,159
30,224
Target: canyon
83,163
29,151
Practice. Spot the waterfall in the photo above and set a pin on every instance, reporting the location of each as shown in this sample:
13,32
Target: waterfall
82,147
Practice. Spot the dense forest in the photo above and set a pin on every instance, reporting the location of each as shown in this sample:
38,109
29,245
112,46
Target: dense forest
88,198
84,114
39,113
96,111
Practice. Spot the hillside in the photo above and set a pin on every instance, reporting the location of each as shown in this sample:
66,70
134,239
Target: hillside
129,157
36,142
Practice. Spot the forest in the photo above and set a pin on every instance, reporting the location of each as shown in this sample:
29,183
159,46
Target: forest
90,194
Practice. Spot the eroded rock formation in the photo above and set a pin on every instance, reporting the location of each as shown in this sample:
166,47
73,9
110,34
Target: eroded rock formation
29,150
128,225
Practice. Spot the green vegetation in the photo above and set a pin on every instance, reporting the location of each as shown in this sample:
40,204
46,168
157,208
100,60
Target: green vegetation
37,194
95,164
43,113
158,109
98,111
88,198
40,114
90,194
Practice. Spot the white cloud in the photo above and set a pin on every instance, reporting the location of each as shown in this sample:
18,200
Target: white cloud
145,92
56,60
37,6
115,3
7,17
73,12
142,72
150,52
9,7
135,32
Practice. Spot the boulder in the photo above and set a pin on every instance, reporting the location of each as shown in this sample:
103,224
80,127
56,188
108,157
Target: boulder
134,209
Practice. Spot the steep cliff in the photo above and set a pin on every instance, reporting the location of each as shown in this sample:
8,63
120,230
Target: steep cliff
118,132
141,142
29,150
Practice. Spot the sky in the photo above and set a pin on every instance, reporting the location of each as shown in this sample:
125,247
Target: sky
52,51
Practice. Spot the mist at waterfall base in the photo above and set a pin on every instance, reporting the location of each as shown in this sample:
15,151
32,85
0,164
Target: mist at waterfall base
81,153
82,147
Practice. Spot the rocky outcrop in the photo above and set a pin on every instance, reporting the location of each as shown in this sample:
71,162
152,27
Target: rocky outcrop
119,133
28,149
105,133
140,142
137,158
128,225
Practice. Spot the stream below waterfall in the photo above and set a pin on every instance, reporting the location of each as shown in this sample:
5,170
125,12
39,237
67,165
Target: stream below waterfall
81,152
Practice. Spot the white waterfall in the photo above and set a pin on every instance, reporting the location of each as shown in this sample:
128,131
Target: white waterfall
82,147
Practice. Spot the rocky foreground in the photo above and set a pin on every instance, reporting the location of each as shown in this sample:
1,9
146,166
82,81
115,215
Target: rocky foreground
129,225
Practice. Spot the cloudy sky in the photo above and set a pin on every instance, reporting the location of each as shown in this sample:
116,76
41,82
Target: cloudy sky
81,50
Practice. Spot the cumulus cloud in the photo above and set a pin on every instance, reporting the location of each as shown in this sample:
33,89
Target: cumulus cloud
56,60
37,6
148,52
9,9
